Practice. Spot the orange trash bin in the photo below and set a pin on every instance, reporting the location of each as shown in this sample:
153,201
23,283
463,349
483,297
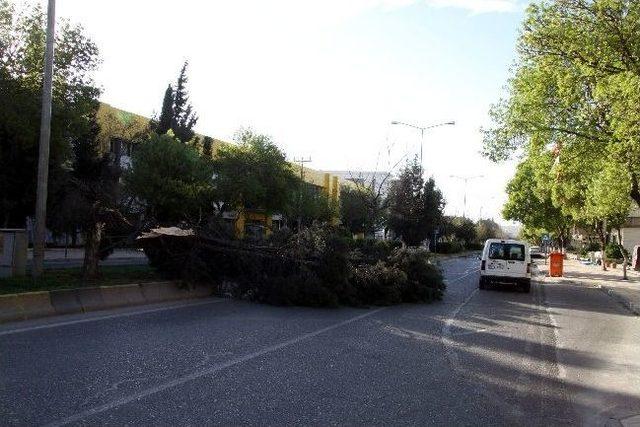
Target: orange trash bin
555,264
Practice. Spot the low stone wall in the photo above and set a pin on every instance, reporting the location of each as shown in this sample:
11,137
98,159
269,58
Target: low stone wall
31,305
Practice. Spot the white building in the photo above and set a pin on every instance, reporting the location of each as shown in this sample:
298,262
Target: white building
630,232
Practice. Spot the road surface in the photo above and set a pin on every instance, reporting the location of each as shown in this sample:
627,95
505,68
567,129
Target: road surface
560,355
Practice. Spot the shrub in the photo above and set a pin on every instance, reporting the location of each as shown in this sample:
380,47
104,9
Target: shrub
333,268
370,251
424,279
593,247
614,252
475,246
378,284
168,254
449,247
298,288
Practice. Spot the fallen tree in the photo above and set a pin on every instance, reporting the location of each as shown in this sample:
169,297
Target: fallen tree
319,266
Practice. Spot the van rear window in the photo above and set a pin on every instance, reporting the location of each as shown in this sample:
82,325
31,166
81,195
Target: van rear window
506,251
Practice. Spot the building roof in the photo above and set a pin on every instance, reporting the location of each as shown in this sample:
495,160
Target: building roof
116,123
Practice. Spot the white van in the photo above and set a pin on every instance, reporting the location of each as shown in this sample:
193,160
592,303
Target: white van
506,261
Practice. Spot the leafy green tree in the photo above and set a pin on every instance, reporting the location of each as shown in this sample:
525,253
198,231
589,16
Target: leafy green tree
88,200
414,206
606,208
171,180
464,230
530,203
22,44
573,99
361,211
310,204
254,174
488,229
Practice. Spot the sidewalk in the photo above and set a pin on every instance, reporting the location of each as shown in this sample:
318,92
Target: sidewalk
56,258
78,253
627,292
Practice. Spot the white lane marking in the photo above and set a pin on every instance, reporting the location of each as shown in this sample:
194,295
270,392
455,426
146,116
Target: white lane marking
470,332
562,372
201,373
110,316
475,270
452,356
446,331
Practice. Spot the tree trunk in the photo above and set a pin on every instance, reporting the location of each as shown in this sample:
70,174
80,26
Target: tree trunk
561,239
602,234
92,250
624,256
635,188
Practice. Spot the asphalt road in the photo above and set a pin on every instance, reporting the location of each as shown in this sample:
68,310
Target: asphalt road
559,355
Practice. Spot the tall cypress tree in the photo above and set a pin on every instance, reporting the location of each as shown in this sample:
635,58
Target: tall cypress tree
184,119
166,116
207,146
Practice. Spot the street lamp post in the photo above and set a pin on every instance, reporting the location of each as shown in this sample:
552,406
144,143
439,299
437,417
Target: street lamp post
465,179
422,129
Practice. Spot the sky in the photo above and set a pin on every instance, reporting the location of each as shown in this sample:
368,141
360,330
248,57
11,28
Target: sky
324,78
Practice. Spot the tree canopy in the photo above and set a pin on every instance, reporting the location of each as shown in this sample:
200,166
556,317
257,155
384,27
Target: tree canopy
171,180
22,44
571,114
361,211
254,174
529,201
177,112
488,229
415,207
463,230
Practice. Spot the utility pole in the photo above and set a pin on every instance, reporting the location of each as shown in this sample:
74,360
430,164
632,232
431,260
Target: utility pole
465,179
302,161
43,155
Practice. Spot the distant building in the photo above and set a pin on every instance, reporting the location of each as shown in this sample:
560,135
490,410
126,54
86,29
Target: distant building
119,128
380,181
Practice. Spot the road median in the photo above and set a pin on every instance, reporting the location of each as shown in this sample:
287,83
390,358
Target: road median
31,305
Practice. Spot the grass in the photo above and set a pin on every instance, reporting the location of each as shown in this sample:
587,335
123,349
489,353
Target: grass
72,278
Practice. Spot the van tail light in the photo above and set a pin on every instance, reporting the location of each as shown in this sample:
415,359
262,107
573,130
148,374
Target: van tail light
483,264
529,268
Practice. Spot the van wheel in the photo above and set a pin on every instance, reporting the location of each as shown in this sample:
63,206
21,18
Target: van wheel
482,284
526,287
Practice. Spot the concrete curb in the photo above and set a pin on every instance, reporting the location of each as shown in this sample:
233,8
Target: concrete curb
10,308
30,305
35,304
630,305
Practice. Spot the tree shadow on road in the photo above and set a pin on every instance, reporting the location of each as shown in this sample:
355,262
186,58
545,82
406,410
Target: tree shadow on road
504,344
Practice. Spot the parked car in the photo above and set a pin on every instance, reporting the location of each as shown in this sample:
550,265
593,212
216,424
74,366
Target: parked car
505,262
536,253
